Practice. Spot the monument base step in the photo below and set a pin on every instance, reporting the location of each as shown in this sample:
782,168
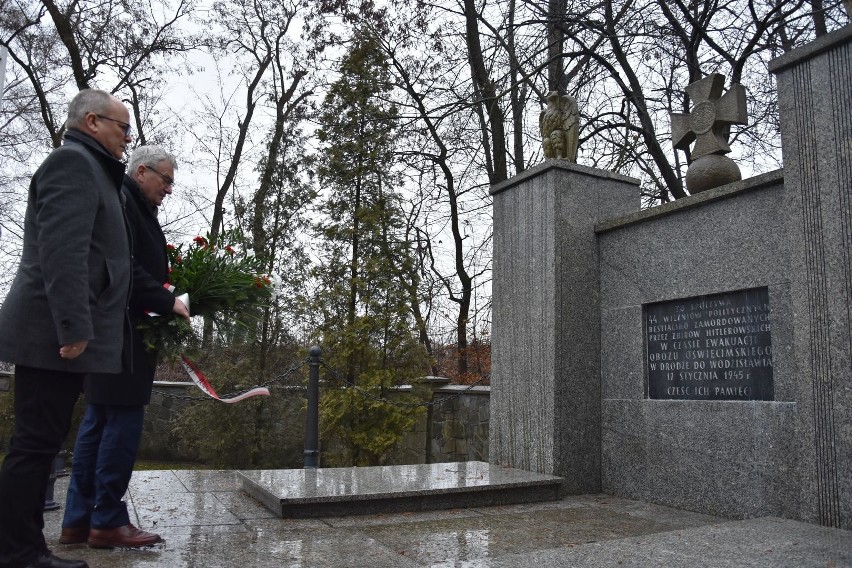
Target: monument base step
332,492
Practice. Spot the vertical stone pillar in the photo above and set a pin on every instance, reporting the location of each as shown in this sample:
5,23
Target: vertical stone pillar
815,104
545,380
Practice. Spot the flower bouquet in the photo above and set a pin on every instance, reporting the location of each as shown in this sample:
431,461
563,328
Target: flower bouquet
223,285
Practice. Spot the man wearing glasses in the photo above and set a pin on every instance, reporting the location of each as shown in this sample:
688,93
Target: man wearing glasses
66,311
109,435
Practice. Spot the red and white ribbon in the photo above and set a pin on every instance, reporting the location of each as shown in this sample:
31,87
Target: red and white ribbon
201,382
195,373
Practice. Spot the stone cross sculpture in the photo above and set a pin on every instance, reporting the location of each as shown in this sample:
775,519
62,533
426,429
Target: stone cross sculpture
712,112
560,127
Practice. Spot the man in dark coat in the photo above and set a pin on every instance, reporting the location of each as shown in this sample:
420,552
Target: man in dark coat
65,314
109,434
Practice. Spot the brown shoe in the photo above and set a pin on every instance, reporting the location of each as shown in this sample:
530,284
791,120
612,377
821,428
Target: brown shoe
127,536
74,535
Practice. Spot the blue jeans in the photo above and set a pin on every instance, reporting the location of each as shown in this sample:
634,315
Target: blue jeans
104,455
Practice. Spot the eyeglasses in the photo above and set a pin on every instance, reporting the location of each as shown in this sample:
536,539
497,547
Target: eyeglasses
128,130
168,181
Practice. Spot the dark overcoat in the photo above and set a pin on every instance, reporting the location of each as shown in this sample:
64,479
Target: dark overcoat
150,270
73,280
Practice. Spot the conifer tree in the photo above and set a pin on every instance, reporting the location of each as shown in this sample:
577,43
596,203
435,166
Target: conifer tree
364,308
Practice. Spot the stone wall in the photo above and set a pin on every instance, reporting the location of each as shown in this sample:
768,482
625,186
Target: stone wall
740,458
731,458
571,395
459,423
158,441
454,428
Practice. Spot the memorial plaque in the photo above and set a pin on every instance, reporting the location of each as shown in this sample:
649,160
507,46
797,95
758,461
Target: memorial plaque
716,347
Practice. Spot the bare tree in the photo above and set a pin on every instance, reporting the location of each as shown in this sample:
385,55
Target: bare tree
639,55
111,45
438,138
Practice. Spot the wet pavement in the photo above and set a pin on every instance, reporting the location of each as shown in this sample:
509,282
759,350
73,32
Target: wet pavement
207,522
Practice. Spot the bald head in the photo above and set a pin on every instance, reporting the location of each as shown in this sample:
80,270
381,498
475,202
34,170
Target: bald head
86,101
103,117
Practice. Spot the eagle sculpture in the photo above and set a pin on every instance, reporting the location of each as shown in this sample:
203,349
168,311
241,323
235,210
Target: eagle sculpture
560,127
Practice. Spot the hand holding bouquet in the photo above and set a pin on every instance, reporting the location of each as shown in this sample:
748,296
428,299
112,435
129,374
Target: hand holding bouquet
222,283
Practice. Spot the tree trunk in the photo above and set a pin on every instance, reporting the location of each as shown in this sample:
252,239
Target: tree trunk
353,273
66,34
486,95
637,98
556,80
818,15
517,97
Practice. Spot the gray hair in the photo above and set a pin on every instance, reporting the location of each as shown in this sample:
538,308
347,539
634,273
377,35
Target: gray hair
86,101
149,156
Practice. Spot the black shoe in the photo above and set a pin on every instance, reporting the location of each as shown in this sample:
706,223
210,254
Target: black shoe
48,560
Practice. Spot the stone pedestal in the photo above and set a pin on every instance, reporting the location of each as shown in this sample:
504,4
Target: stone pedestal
545,395
815,104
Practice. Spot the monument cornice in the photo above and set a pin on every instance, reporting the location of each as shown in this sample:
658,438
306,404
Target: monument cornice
769,179
556,164
811,50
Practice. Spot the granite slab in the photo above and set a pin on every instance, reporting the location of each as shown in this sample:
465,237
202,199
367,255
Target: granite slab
304,493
